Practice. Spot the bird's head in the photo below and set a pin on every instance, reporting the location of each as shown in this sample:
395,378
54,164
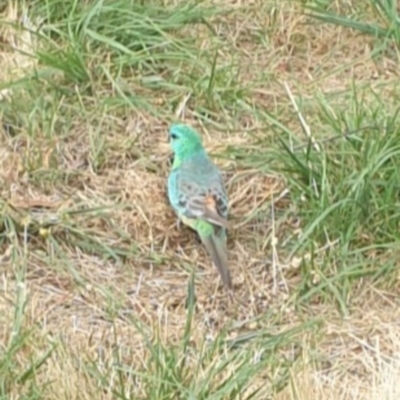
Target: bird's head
184,140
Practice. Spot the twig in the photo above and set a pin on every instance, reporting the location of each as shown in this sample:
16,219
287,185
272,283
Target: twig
181,106
302,120
344,135
306,130
275,259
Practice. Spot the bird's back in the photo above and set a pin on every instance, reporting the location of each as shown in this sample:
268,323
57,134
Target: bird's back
200,170
197,176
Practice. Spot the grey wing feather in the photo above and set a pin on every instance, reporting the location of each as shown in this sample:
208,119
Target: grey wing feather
199,193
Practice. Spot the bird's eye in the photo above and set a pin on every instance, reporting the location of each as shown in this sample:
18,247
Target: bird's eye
173,136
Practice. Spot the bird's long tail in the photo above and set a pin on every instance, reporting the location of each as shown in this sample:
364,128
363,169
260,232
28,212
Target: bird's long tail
216,247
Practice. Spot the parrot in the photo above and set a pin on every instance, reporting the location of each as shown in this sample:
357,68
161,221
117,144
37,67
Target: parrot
197,194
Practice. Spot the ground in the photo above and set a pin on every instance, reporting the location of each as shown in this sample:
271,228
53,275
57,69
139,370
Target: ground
103,296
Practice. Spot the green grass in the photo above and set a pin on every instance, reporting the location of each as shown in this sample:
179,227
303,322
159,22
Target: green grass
345,190
373,17
93,300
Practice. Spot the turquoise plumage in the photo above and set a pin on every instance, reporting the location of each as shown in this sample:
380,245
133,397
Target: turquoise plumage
196,193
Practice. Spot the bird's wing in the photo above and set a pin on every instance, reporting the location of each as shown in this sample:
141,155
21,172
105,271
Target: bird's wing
205,206
206,202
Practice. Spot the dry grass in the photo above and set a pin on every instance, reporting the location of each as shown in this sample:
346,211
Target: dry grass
93,268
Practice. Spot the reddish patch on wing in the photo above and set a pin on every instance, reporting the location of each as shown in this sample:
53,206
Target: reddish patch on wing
210,202
211,212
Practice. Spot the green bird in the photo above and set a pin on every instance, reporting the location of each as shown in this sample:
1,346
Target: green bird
197,194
